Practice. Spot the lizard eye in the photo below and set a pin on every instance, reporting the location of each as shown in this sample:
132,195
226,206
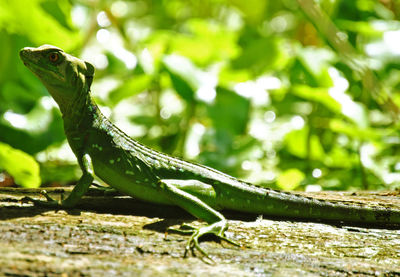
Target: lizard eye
54,57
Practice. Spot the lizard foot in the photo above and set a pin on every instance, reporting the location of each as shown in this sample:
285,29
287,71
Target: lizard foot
218,229
106,191
49,202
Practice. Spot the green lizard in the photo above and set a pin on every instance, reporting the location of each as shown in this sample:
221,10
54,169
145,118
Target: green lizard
138,171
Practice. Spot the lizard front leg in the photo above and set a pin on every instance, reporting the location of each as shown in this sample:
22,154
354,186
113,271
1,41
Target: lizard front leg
76,194
198,208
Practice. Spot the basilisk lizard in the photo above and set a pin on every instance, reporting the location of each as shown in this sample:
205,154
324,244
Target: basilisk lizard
135,170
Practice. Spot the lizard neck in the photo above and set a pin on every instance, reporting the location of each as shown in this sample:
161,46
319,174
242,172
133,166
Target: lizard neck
81,114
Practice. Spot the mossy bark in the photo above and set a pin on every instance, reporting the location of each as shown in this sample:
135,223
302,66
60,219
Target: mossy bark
119,236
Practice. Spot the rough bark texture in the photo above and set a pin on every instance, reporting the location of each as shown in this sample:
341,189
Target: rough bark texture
118,236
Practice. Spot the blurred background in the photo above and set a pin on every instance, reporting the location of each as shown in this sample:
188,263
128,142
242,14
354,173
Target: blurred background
292,94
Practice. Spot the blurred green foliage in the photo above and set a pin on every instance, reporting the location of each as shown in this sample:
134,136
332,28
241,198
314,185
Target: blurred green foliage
293,94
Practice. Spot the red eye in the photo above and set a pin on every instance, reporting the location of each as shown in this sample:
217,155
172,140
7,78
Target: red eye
53,57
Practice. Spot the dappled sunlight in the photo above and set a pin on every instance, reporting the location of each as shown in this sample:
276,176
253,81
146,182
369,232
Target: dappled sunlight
317,173
16,120
349,108
387,47
171,104
202,83
368,153
54,154
104,86
297,122
37,120
79,15
392,40
269,116
102,20
103,36
192,147
254,91
119,8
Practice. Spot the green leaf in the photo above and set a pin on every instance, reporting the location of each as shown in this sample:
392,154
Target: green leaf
318,95
6,48
296,142
230,111
335,100
362,27
188,80
134,85
34,131
59,172
18,98
261,55
354,131
182,73
21,166
28,18
317,61
229,77
202,42
254,10
290,179
341,158
59,10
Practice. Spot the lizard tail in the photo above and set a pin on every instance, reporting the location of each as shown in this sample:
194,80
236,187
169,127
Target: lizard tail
320,210
288,205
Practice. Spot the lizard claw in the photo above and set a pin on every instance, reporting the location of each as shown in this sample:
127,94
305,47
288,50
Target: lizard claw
49,202
217,228
183,229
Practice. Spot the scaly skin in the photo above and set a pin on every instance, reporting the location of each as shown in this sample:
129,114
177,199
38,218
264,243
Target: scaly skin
138,171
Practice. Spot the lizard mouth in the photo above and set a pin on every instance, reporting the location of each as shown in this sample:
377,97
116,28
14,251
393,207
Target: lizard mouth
29,60
25,57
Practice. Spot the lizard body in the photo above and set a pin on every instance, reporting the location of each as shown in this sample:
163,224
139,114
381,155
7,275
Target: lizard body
104,150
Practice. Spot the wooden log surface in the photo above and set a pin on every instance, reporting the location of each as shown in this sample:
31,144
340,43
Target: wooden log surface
109,235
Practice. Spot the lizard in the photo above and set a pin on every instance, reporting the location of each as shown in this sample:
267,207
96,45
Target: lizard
135,170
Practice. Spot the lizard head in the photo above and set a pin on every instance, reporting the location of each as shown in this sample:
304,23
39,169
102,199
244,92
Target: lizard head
64,76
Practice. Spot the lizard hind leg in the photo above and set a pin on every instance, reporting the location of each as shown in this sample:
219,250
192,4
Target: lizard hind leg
217,224
218,229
